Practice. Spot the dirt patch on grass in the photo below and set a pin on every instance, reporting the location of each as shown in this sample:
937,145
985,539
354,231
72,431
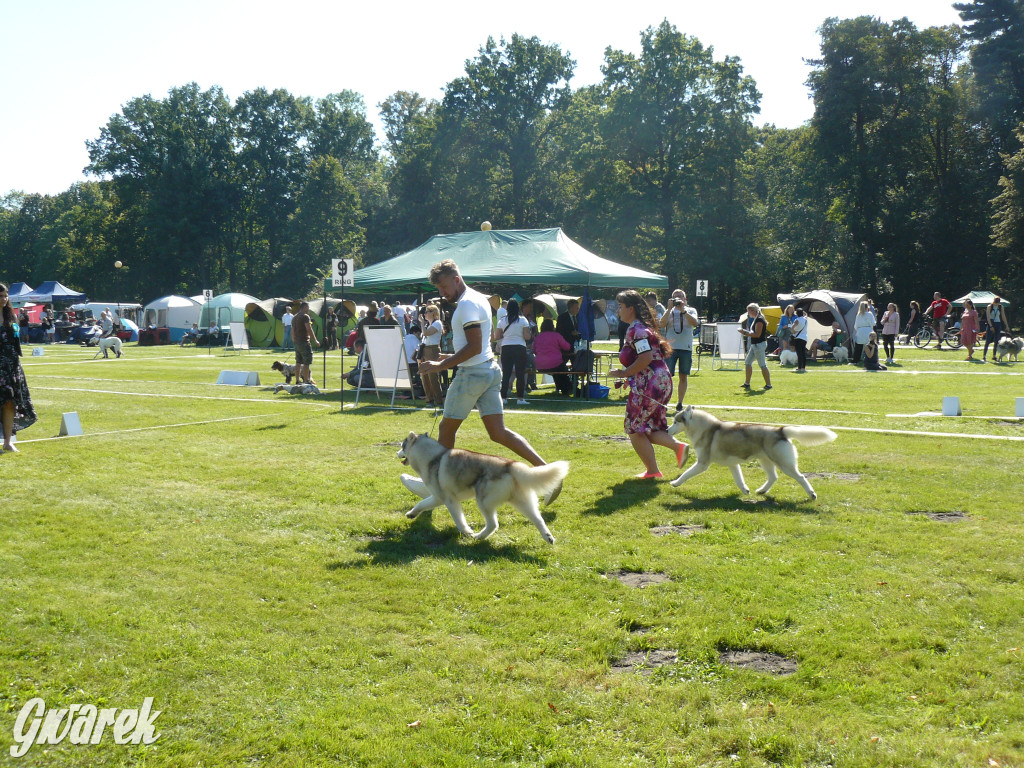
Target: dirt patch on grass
953,516
760,661
849,477
644,662
638,579
682,530
612,438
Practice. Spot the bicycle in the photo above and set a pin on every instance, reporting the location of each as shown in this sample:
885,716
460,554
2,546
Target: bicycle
924,337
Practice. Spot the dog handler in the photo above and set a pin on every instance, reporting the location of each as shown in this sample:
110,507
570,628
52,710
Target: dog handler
478,381
304,337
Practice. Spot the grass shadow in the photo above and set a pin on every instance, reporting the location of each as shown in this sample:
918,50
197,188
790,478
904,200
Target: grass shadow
624,495
752,504
421,539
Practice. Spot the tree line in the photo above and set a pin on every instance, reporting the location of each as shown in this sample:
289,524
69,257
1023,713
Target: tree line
909,177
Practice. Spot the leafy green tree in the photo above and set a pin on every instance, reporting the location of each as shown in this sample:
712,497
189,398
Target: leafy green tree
271,130
997,29
677,125
171,163
1008,226
494,122
327,224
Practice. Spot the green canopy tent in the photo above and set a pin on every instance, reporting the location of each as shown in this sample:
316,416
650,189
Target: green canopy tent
518,256
980,299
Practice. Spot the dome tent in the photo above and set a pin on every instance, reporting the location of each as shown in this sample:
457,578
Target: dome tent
225,309
263,321
827,307
176,313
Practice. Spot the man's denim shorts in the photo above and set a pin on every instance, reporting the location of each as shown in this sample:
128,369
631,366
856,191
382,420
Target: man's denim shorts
477,386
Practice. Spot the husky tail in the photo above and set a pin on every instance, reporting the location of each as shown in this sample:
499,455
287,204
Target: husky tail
809,435
540,480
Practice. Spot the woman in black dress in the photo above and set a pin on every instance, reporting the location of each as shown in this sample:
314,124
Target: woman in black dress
15,404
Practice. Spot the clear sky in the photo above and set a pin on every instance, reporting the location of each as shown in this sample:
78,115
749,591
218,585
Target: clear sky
68,65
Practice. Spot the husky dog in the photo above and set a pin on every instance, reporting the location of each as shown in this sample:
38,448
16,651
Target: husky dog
788,358
107,345
297,389
453,475
730,443
288,371
1008,347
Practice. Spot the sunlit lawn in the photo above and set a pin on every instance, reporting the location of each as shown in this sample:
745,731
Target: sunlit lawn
243,558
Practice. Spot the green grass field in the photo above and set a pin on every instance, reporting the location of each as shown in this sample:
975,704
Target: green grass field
243,558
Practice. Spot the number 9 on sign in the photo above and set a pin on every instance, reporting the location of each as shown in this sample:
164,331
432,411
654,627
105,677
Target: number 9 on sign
342,273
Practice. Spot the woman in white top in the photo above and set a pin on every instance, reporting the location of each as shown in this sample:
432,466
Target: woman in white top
431,346
798,339
862,328
514,332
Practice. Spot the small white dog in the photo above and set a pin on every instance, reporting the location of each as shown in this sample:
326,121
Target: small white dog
1008,347
110,343
297,389
841,355
788,358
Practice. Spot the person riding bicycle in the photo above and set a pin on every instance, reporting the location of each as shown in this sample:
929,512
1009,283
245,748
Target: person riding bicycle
938,311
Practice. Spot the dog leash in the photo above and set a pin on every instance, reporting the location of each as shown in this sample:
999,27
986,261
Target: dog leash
630,381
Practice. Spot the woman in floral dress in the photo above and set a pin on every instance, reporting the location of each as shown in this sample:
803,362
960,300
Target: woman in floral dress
15,404
650,384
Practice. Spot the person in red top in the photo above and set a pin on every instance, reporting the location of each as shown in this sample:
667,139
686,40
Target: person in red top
938,311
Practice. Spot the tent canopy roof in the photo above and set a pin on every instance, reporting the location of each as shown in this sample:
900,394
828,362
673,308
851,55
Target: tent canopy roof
52,291
980,298
520,257
17,289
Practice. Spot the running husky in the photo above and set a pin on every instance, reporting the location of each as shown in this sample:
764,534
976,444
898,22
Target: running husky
730,443
451,476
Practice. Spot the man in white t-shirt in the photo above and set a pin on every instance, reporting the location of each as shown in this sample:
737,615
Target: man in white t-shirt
286,321
677,326
478,381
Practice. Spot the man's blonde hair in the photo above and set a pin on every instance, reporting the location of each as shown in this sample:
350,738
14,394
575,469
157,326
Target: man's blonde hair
442,269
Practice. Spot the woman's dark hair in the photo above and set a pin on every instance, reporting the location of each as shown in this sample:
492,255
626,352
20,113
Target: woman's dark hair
643,314
547,325
800,312
512,311
8,318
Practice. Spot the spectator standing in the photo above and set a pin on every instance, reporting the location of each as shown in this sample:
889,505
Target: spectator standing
890,327
16,412
286,321
995,313
304,337
863,325
913,321
969,327
431,352
657,308
643,361
677,325
938,311
798,339
755,328
783,333
513,333
46,317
